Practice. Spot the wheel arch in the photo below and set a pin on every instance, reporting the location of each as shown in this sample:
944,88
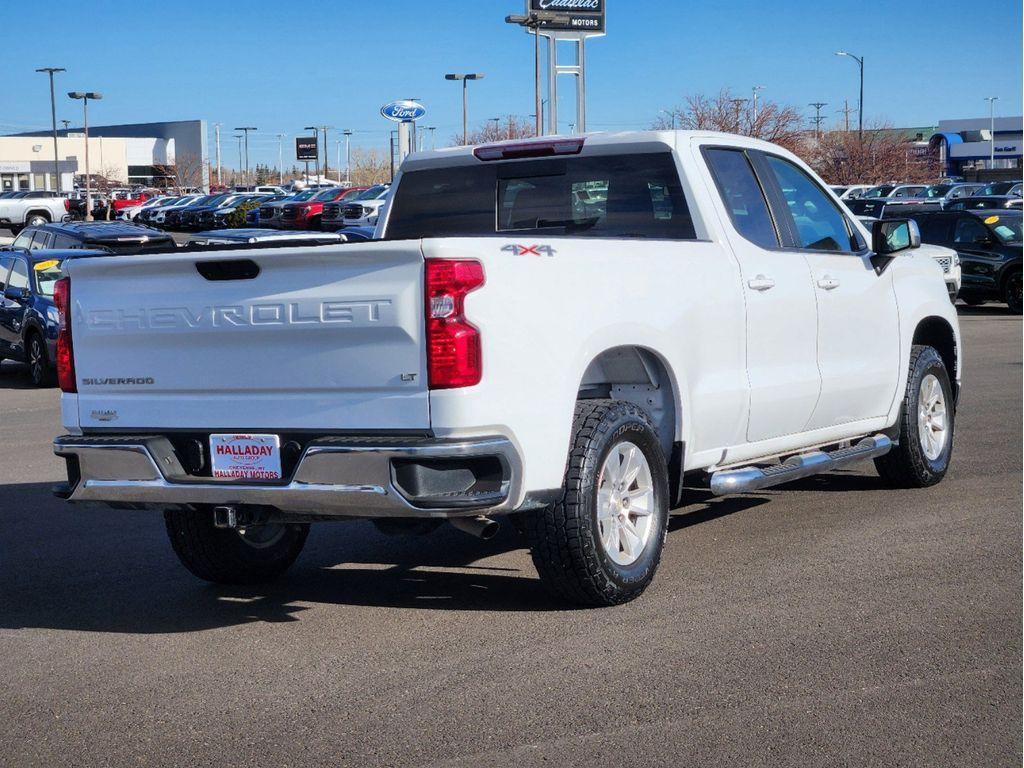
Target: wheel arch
639,375
934,331
40,212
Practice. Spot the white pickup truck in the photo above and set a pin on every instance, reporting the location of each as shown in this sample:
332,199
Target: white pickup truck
33,209
566,330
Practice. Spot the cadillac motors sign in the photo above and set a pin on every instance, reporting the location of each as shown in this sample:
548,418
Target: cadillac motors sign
305,148
580,15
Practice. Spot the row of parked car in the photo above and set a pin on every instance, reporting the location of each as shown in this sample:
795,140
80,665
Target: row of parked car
868,200
327,209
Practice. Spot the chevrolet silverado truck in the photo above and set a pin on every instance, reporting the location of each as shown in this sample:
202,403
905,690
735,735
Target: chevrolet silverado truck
566,331
35,208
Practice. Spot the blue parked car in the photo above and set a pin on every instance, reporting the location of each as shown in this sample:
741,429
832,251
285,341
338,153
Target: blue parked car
28,316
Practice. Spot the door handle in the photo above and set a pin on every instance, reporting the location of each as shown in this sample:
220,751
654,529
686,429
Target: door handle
828,283
761,283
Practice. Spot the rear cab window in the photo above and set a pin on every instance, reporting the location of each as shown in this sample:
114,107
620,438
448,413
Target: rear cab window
636,195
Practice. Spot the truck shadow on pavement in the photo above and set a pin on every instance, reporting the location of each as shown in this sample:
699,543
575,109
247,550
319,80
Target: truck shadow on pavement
88,568
15,376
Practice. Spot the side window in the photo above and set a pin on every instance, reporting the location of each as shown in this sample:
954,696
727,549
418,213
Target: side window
5,267
40,240
19,274
819,225
23,240
743,196
934,229
969,230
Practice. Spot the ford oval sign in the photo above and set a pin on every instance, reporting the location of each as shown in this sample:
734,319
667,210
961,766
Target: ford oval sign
403,111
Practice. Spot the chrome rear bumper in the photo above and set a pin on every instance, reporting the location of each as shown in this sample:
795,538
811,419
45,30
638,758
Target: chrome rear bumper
335,476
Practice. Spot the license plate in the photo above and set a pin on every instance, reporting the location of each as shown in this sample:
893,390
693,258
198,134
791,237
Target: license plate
246,457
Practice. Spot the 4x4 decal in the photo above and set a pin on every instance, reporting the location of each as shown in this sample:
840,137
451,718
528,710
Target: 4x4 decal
529,250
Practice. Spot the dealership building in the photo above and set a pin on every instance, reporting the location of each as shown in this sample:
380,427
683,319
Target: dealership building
964,147
139,153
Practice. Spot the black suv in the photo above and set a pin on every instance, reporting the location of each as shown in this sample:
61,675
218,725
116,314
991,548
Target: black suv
112,236
989,245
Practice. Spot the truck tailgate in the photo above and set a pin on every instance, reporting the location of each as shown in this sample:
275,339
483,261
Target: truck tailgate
325,338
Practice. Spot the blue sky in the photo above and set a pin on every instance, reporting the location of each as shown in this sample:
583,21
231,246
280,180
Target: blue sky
280,66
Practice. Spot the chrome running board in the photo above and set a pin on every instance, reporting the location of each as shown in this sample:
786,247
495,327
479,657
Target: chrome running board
746,479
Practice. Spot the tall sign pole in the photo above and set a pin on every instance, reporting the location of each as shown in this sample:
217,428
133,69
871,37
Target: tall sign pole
572,20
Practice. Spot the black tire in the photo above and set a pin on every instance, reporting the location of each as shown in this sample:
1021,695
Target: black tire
225,556
1012,292
907,465
565,538
40,371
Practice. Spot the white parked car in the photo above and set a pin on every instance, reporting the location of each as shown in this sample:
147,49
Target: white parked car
512,347
158,214
132,212
366,209
851,191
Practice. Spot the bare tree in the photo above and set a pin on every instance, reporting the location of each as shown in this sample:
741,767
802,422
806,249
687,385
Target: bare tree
369,167
842,157
510,127
774,122
186,173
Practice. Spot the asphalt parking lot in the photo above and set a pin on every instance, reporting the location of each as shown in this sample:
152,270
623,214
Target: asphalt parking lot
831,622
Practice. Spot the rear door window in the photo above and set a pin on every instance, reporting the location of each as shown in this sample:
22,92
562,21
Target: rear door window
615,196
743,196
934,229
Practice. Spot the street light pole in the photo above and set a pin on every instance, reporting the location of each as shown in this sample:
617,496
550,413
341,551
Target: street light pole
216,133
53,116
756,89
280,159
465,78
860,103
85,96
348,155
245,131
991,130
239,137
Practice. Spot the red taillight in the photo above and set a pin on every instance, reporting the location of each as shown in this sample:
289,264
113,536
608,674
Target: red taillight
454,357
65,351
67,204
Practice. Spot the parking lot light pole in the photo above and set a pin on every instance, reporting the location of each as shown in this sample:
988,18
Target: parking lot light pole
860,103
239,137
216,133
280,159
755,90
53,116
991,130
245,132
465,78
348,154
85,96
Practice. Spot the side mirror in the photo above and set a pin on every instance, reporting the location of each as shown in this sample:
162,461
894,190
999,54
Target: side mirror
890,236
17,294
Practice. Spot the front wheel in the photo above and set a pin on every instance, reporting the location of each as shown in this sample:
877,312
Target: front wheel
38,362
921,457
229,555
601,544
1012,293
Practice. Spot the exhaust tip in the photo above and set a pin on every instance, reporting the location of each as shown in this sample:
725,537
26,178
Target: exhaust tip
480,526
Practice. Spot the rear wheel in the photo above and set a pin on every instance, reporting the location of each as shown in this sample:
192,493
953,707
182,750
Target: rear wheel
36,220
926,421
1012,293
602,543
229,555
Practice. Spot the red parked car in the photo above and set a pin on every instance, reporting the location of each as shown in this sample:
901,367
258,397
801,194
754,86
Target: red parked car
129,199
307,214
